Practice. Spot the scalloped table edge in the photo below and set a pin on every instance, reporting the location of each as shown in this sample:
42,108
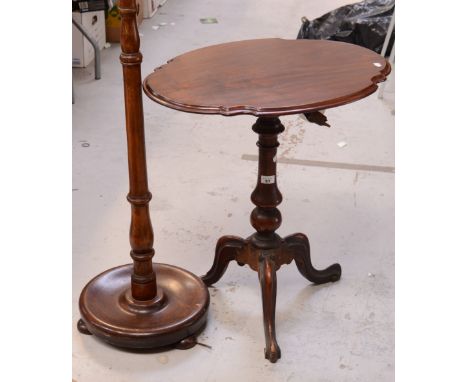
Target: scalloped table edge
273,112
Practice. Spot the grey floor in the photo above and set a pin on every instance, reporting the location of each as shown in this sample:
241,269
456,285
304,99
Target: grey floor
201,181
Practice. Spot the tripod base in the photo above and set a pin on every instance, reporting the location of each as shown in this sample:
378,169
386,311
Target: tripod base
172,318
266,261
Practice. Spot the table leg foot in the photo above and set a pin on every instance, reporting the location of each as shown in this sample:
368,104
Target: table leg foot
267,277
226,251
298,244
187,343
82,328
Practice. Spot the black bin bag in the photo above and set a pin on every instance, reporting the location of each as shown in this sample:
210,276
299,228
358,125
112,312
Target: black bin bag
364,24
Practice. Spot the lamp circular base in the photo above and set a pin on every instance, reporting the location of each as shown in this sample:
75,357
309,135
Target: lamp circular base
178,311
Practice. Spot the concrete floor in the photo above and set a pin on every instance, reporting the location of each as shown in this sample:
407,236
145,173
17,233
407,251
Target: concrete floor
335,332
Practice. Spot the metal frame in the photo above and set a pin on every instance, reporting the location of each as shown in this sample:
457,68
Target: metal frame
391,27
97,51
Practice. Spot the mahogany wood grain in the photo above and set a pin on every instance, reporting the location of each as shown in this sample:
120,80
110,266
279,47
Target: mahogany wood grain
267,77
110,312
265,251
144,304
141,232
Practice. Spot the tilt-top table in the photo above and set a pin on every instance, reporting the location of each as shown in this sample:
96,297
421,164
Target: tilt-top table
267,78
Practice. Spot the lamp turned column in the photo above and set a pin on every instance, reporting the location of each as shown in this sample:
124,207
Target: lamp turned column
141,231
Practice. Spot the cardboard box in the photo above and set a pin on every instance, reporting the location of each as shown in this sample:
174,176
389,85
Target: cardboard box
89,5
94,24
113,20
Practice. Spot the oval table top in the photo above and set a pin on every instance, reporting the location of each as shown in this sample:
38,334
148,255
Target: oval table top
267,77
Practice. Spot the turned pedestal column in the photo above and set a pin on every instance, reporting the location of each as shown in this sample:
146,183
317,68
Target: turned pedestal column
264,251
144,304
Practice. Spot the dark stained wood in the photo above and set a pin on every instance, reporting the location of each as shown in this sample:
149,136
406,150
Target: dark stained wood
264,251
141,231
143,305
228,248
267,77
298,244
82,328
267,277
110,312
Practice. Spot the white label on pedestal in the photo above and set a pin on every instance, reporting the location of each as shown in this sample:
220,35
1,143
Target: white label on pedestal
267,179
274,159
